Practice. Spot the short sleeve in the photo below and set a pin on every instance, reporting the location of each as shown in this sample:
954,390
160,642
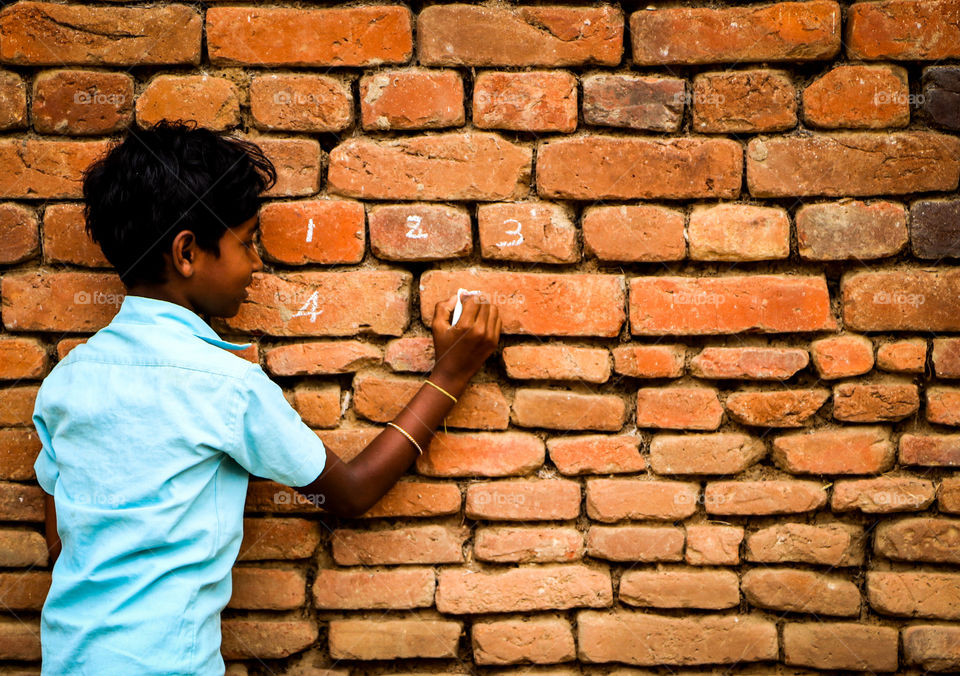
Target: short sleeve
273,441
45,466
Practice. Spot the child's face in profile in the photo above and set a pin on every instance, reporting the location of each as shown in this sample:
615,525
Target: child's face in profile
220,283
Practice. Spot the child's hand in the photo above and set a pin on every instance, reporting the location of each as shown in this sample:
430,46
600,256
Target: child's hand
462,349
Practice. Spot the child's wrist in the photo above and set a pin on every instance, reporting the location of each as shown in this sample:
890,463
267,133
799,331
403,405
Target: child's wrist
453,383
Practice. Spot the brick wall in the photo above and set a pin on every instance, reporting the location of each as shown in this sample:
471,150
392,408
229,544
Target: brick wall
723,426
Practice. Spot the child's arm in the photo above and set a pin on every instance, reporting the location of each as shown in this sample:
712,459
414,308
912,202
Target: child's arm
50,524
350,489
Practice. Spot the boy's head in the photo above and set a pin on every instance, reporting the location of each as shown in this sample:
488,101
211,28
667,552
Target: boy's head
174,209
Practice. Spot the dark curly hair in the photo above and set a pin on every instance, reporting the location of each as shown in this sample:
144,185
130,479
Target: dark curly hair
165,179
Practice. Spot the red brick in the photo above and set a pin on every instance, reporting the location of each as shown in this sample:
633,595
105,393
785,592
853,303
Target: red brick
540,640
610,500
524,544
663,305
603,167
801,591
528,101
535,232
326,303
946,357
553,586
482,454
883,494
214,102
65,239
649,361
393,639
410,354
858,97
307,103
19,233
852,164
562,410
833,544
948,495
524,500
776,408
943,405
266,639
454,35
44,34
930,539
852,450
381,398
718,453
20,639
709,545
738,232
417,499
414,544
420,232
934,648
596,454
851,230
287,538
766,496
452,166
297,161
902,30
321,358
712,589
411,99
910,594
24,591
397,588
17,404
901,300
635,102
875,402
318,406
647,639
319,231
634,233
931,450
903,356
267,589
635,543
71,301
22,549
82,102
744,101
589,304
19,447
840,646
13,101
842,356
348,442
40,169
676,407
354,36
751,363
21,502
557,362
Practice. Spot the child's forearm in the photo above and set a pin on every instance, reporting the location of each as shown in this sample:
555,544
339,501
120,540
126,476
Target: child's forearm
350,489
50,528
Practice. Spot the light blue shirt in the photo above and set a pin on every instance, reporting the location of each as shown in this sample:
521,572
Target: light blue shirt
150,432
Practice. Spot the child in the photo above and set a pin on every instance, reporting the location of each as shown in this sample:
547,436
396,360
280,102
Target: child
151,428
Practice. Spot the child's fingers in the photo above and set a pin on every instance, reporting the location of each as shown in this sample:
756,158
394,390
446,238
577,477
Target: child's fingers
443,312
471,308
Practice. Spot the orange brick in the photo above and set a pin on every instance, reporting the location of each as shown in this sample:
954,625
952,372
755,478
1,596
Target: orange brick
681,588
602,167
738,232
851,230
840,646
275,36
929,539
842,356
82,102
24,590
902,29
524,544
39,169
13,95
540,640
875,402
19,639
649,361
19,447
752,363
931,450
914,594
410,354
718,453
695,408
766,496
524,500
19,233
561,410
420,232
903,356
709,545
883,494
276,498
321,358
267,588
635,102
481,454
287,538
610,500
556,362
901,300
453,166
831,544
932,647
414,544
801,591
394,639
319,231
214,102
22,358
528,101
663,305
21,502
635,543
71,301
453,35
596,454
297,161
317,406
411,99
635,233
65,239
852,450
775,408
946,357
417,499
398,588
536,232
943,405
306,103
22,548
17,404
744,101
858,97
348,442
266,639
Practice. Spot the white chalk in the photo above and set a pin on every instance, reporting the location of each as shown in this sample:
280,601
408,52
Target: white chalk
459,307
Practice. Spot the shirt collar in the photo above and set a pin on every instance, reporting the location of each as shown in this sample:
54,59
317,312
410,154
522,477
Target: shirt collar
143,310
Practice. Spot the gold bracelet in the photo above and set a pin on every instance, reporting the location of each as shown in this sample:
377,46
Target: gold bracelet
407,435
442,390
